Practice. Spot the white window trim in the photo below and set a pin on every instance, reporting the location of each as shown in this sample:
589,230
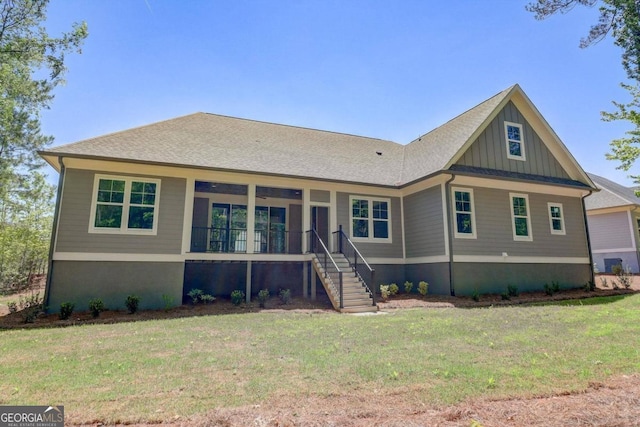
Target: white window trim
457,234
551,218
125,206
523,157
369,239
528,238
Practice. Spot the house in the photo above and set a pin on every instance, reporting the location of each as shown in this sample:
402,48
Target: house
613,216
490,198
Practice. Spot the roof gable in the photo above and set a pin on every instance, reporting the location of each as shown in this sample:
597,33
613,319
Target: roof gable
612,195
218,142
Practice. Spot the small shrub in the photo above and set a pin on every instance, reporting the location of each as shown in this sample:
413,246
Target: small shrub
512,290
207,299
237,297
393,289
195,295
132,303
285,296
168,302
505,296
66,309
623,276
96,306
548,289
29,314
13,306
423,288
603,282
475,295
408,287
263,296
384,292
590,286
30,307
555,286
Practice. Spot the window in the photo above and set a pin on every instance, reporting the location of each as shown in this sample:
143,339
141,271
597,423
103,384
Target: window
124,205
520,217
465,226
556,218
515,141
370,219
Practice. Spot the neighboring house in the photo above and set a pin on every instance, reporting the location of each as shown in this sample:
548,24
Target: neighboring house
613,215
488,199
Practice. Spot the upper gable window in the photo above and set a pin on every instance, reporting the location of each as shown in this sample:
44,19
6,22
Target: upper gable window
515,141
123,205
370,219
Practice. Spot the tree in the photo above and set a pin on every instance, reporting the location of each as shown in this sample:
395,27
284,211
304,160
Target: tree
621,20
31,66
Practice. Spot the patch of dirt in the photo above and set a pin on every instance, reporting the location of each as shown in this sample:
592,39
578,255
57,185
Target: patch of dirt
615,403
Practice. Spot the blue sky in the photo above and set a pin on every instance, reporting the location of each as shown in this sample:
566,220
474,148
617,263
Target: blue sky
386,69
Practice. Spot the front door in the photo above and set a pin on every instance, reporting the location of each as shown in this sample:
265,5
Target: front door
320,222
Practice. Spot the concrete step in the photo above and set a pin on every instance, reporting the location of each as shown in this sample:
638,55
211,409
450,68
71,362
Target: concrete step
360,309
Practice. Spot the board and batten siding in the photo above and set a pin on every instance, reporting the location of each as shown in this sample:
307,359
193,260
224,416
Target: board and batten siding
377,250
610,231
424,223
495,233
489,150
73,232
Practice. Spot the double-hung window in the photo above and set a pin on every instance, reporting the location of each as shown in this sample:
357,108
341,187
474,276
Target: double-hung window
465,221
515,141
124,205
520,219
370,219
556,218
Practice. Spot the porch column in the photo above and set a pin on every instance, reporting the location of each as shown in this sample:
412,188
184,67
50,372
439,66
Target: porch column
188,215
247,293
305,279
333,218
251,218
314,280
306,218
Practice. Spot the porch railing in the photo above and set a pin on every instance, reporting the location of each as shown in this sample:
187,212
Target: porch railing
317,247
361,267
234,240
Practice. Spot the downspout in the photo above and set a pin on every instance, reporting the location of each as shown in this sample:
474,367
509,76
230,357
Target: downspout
586,228
447,196
54,233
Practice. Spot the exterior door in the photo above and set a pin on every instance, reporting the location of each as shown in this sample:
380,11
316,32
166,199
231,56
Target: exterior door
320,222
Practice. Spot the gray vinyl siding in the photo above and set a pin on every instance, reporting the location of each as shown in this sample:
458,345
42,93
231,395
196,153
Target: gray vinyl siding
610,231
73,233
435,274
378,250
489,149
495,234
424,223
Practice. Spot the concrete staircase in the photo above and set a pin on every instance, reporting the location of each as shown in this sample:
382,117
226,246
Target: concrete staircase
356,297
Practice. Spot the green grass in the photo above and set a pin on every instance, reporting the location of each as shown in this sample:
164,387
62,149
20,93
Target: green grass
150,371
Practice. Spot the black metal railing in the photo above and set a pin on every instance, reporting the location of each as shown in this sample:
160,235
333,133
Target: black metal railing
360,266
317,247
234,240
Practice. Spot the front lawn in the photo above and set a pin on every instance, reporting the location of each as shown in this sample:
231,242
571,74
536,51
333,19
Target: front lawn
158,370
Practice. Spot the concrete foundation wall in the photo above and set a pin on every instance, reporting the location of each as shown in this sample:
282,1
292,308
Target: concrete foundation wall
79,281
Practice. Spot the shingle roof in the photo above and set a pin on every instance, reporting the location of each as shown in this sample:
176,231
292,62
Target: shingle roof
611,195
211,141
432,151
221,142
